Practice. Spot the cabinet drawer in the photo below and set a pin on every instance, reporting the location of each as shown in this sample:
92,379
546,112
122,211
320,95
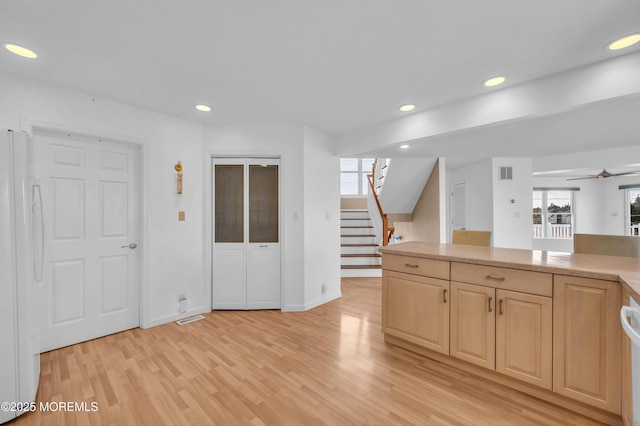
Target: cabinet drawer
416,265
539,283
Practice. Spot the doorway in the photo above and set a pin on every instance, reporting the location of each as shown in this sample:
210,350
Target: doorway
246,258
91,205
458,206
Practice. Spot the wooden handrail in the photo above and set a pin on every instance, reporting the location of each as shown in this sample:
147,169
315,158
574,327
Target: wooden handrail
387,231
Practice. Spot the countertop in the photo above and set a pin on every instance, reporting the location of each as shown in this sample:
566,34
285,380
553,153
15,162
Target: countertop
625,270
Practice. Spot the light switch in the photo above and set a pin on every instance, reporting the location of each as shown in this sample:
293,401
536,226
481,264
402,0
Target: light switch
181,216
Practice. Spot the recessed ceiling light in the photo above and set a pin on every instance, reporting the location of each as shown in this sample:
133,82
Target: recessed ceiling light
203,108
624,42
407,107
404,146
20,51
495,81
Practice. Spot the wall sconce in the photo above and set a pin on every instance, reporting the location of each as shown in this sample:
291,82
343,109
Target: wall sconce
178,168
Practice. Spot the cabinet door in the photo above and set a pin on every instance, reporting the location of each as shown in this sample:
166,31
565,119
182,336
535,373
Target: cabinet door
586,341
473,324
416,309
524,327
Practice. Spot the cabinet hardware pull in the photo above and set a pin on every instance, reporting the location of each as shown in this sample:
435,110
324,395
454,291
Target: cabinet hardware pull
491,277
444,296
490,304
412,265
500,303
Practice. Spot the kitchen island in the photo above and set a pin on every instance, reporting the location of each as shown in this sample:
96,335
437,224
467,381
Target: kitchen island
544,323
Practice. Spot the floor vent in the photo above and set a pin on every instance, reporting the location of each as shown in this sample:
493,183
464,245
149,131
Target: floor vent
190,319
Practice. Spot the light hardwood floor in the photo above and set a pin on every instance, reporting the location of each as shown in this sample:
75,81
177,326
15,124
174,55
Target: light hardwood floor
329,365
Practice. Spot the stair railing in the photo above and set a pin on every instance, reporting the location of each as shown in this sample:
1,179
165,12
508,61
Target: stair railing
386,230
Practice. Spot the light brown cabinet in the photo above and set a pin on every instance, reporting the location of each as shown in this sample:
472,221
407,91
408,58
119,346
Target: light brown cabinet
415,306
473,324
586,341
554,336
524,337
508,331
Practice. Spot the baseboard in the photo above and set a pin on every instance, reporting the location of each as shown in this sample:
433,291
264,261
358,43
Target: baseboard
322,301
311,305
174,317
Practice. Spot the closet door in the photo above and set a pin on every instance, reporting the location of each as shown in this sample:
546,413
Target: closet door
229,258
263,247
246,253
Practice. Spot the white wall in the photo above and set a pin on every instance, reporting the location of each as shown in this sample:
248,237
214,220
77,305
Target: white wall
177,255
172,251
479,180
321,219
614,205
512,204
600,207
489,200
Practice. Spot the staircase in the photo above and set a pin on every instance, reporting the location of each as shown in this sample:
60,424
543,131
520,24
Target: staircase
359,251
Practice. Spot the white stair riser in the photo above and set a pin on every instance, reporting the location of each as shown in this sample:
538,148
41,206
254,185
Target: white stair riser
357,240
363,222
361,261
360,250
354,213
352,273
357,231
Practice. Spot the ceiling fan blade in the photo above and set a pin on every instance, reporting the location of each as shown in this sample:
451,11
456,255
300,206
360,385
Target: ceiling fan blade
627,173
586,177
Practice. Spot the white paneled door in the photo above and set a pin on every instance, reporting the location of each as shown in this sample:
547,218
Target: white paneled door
91,208
246,248
459,206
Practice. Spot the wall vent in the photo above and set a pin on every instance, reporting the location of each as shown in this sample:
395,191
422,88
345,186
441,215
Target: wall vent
506,173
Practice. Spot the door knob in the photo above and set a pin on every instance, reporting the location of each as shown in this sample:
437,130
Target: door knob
131,246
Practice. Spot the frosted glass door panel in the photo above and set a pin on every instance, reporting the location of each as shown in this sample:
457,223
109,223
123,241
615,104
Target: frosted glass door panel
263,203
229,202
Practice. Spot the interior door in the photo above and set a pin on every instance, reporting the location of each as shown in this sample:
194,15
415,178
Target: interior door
91,210
459,206
246,253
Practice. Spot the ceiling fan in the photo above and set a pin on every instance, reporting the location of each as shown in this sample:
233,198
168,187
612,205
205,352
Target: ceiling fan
605,174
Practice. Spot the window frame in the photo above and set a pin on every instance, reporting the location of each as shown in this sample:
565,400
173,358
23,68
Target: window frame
545,213
362,179
627,203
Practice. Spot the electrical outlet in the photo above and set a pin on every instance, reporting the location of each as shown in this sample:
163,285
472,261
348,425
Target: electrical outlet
181,216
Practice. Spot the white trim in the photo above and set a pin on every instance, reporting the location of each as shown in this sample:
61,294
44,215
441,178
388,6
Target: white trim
178,316
311,305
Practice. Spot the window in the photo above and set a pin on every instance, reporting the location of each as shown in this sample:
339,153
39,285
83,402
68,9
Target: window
552,213
633,197
353,175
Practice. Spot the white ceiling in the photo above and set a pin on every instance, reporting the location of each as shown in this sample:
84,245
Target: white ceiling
331,64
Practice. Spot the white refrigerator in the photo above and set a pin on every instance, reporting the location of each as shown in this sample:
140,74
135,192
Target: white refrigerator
21,262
